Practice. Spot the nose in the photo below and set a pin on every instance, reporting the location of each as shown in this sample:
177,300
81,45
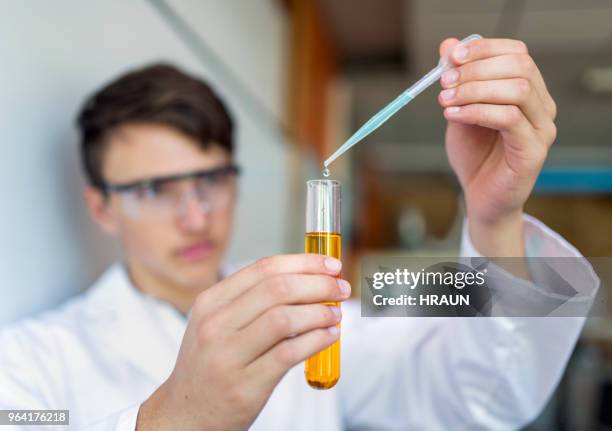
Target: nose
193,213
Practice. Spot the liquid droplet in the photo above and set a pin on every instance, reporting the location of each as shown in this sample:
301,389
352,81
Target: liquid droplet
326,172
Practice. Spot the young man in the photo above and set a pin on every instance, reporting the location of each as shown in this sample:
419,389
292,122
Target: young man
170,340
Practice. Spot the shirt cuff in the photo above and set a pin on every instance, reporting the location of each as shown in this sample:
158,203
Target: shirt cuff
123,420
565,286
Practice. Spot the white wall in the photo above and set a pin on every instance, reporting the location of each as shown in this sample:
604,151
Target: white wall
52,55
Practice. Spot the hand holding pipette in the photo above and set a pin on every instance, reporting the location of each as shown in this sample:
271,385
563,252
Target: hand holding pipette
500,126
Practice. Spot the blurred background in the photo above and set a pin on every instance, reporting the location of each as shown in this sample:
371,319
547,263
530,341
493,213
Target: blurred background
300,76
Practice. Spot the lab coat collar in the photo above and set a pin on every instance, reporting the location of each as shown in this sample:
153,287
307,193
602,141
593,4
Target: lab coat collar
144,330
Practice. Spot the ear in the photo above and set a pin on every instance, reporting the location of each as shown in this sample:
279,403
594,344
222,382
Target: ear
99,209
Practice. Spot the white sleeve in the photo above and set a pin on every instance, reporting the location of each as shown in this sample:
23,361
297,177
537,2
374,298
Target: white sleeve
440,373
25,385
124,420
20,379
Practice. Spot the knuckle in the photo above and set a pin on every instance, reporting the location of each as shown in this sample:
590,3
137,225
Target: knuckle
330,287
463,92
333,287
526,63
202,300
479,47
285,354
265,265
279,290
488,91
523,88
238,396
279,320
522,47
315,261
326,315
467,72
480,113
552,134
206,332
513,115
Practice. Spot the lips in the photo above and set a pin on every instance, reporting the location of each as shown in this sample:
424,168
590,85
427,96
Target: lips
196,251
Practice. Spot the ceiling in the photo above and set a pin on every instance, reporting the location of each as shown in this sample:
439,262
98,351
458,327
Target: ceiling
557,27
412,29
385,44
364,32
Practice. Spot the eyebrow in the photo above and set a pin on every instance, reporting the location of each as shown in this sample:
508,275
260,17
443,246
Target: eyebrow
120,187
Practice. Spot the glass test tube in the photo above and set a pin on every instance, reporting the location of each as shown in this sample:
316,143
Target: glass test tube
323,199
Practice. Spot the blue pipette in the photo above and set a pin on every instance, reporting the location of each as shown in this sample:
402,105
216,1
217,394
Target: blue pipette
400,101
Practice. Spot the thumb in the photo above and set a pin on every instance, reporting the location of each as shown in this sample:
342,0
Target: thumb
447,45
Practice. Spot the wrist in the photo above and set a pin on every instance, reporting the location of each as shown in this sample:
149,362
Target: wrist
165,410
502,237
155,413
147,419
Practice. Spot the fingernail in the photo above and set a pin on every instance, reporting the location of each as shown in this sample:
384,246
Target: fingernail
345,287
334,265
334,330
448,94
336,310
453,109
461,53
450,76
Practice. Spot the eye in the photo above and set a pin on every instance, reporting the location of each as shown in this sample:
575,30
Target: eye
209,180
147,191
218,177
155,190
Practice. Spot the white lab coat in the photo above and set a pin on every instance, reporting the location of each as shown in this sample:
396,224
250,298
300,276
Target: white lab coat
104,352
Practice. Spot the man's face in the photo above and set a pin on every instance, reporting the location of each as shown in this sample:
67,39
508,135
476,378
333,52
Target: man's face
182,245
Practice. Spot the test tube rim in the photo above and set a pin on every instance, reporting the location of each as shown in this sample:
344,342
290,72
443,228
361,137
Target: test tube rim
323,182
323,195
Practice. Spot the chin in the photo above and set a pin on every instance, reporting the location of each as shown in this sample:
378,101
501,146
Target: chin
197,274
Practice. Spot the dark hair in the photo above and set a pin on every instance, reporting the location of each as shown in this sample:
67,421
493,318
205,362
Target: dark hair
159,94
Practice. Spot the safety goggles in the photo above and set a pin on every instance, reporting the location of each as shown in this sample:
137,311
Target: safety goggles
162,198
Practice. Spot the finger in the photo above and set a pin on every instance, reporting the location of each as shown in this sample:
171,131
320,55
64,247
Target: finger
523,147
447,45
504,118
232,287
282,290
501,67
285,355
280,323
516,91
485,48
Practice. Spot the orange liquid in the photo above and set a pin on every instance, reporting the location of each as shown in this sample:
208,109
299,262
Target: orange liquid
322,370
